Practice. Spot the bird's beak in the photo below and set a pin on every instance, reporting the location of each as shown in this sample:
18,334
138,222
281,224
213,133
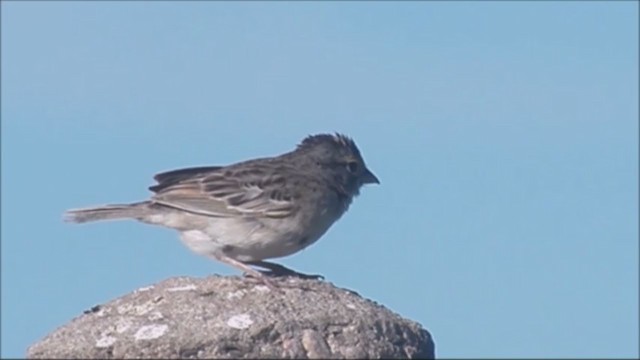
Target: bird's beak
369,178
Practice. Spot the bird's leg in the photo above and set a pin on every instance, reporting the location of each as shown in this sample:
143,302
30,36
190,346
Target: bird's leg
247,269
281,270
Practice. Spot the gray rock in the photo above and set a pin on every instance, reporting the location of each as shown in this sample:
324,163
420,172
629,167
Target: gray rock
235,317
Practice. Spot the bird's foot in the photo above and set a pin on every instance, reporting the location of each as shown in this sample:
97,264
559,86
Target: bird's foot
291,273
277,270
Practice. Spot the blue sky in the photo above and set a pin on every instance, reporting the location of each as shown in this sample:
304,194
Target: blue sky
505,135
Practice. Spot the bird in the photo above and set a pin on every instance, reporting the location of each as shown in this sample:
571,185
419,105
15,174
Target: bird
247,212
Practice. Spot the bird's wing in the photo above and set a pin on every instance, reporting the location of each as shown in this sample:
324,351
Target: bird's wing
168,178
225,192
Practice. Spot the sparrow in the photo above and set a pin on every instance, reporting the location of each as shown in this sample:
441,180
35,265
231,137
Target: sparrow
244,213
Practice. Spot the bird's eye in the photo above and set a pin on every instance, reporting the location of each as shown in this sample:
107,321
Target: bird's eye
352,166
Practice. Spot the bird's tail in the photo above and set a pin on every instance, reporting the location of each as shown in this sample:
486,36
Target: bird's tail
108,212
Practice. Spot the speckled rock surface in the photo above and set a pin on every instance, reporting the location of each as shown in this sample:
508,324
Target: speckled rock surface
234,317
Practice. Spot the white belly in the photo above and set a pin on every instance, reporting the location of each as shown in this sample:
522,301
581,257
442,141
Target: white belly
251,240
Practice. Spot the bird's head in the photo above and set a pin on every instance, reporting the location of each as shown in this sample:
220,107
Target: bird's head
339,157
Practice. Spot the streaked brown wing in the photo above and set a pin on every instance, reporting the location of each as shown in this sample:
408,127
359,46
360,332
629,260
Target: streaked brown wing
168,178
232,192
